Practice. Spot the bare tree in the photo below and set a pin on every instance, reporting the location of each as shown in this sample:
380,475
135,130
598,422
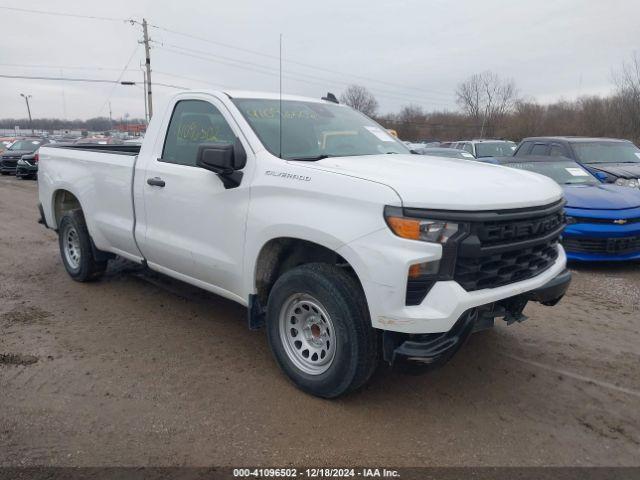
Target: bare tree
358,97
487,99
627,81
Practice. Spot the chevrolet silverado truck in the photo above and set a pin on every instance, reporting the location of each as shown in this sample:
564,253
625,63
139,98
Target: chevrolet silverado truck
347,248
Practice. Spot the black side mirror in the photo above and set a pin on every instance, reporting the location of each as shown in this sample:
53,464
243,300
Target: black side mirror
224,159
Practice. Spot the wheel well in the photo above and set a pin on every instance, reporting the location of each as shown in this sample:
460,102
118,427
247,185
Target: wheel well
282,254
63,201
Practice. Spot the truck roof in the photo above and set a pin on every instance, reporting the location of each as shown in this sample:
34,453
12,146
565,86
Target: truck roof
270,96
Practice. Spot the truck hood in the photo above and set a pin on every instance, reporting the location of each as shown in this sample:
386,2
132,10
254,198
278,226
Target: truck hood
621,170
448,183
601,197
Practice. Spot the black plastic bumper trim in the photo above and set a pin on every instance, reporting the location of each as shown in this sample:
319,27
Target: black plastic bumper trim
553,290
431,349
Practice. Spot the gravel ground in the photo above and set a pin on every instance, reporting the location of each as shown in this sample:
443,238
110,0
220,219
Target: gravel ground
138,369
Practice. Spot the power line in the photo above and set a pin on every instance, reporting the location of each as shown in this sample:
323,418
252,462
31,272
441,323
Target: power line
135,50
410,96
65,79
297,76
60,14
65,67
397,95
89,80
295,62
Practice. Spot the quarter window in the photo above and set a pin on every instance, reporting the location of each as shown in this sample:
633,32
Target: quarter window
193,123
557,151
540,149
524,148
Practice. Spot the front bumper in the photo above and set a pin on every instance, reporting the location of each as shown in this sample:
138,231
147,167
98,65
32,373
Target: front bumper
603,242
25,169
7,167
435,349
382,261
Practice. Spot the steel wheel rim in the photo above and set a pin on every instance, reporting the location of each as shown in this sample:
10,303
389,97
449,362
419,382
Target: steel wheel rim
71,247
307,334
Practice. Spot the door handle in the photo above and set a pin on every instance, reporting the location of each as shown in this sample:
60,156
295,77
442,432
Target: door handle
156,182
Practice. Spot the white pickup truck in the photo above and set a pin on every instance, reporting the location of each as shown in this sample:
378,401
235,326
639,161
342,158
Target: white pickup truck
343,244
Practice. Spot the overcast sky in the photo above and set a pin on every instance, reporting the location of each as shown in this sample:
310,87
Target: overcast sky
404,51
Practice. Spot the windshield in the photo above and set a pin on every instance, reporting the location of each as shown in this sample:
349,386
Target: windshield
607,152
495,149
565,173
30,145
312,130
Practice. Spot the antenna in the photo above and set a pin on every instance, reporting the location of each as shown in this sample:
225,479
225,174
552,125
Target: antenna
280,106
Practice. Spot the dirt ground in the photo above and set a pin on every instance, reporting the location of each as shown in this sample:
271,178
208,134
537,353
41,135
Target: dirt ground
137,369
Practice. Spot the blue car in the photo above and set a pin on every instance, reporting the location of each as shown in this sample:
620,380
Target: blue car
603,220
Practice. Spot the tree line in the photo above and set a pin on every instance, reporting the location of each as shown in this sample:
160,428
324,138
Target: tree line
98,124
491,107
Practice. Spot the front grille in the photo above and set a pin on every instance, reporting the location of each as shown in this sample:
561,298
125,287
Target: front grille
8,163
508,246
504,268
604,246
606,221
492,248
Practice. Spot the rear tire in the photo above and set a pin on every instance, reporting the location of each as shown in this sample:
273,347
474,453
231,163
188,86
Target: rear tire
319,330
75,248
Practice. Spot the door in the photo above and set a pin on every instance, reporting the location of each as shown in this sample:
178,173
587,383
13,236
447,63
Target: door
194,226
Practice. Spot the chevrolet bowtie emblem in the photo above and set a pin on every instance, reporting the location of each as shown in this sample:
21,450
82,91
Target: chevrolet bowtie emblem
622,221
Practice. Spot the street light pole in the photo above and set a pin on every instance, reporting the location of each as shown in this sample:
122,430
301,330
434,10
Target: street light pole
26,99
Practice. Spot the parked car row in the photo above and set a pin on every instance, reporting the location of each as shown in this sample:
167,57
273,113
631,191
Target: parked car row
600,178
612,160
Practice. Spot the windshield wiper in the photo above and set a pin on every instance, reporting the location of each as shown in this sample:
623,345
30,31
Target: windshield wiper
309,159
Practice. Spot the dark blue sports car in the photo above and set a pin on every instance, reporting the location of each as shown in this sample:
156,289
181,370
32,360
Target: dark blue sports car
603,220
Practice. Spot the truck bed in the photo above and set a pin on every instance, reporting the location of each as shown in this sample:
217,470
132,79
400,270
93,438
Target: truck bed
101,177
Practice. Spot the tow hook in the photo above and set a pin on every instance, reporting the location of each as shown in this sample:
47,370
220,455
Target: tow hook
513,309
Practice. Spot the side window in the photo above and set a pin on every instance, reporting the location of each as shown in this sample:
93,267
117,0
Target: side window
557,151
540,149
468,147
193,123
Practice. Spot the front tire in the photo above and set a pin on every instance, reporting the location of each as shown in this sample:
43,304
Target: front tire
75,248
319,330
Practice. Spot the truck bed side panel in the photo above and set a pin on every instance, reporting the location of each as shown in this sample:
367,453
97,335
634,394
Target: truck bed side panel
102,183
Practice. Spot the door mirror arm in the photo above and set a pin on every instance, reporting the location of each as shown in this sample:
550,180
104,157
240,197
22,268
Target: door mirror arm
225,160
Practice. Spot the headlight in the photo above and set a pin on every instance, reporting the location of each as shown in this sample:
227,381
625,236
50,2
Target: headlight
628,182
426,230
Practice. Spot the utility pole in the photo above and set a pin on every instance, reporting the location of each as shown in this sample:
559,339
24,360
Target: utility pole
110,117
26,99
146,111
148,65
